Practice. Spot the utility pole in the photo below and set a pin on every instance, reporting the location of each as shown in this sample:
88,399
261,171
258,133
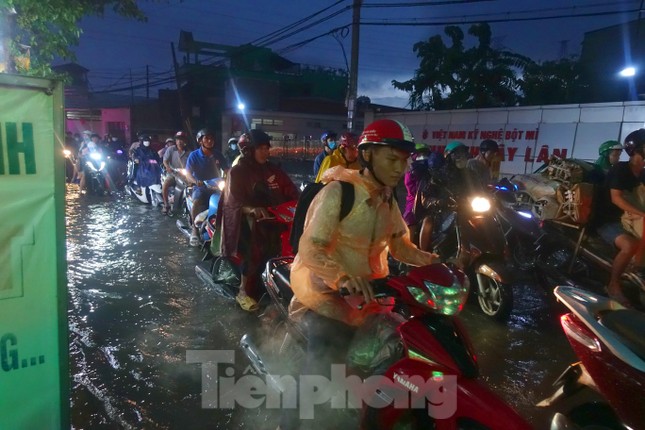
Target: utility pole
353,68
147,81
183,111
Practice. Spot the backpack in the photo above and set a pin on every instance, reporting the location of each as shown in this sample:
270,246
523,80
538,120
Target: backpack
304,201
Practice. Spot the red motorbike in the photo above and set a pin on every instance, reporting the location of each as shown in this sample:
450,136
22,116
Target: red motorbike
425,343
608,339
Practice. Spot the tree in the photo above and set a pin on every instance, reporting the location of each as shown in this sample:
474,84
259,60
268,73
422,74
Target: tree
451,77
552,82
50,27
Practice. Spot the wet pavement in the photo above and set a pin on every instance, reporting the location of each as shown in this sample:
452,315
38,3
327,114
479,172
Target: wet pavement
137,307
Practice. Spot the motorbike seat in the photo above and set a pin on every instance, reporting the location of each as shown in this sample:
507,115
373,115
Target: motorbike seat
629,324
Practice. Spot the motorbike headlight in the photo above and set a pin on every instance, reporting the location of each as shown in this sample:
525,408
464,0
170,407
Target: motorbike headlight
221,185
67,153
480,204
183,172
527,215
95,156
444,300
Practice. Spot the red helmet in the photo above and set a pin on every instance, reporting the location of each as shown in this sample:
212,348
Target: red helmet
348,140
181,135
252,139
387,132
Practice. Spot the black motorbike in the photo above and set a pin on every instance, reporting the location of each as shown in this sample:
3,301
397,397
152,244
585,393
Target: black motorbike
93,165
466,230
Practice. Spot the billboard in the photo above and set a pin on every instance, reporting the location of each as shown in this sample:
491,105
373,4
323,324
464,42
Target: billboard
34,375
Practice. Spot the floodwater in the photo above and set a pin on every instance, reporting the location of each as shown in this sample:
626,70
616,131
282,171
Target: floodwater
136,307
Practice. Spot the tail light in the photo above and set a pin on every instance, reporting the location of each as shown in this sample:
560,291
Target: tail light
574,331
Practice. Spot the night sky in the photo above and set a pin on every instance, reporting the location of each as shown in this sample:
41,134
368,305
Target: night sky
117,50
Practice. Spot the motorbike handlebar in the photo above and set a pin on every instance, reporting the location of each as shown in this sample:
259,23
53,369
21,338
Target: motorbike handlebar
380,287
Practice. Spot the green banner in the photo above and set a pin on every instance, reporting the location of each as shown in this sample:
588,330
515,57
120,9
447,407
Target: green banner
34,375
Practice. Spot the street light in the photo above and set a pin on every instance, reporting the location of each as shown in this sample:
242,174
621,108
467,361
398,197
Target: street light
628,72
241,107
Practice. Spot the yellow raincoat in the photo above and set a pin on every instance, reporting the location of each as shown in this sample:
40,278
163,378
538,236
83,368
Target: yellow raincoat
334,159
356,246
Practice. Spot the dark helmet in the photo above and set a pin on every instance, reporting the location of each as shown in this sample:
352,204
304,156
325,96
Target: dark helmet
252,139
141,135
348,140
609,145
387,132
181,135
635,141
203,132
328,135
488,145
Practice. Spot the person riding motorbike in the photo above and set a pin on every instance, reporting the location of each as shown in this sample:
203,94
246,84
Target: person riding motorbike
621,184
482,164
345,155
253,185
232,151
148,171
328,139
348,254
174,160
418,172
203,164
453,176
93,146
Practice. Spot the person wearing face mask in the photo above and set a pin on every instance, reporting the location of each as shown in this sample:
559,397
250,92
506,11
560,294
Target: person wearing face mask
453,177
174,159
148,164
232,152
328,139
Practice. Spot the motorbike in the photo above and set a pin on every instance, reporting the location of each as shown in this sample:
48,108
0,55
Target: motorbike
70,164
608,340
423,339
149,194
176,196
117,166
94,169
204,219
466,230
522,229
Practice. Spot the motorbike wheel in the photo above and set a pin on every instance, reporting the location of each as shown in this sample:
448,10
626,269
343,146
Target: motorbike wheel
495,298
523,254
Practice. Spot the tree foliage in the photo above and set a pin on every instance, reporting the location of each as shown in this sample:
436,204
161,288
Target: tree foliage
453,77
553,82
51,27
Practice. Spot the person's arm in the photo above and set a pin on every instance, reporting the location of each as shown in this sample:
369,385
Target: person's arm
166,160
189,174
402,248
620,201
323,166
320,233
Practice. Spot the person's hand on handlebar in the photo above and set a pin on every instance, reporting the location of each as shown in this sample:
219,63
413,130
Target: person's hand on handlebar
356,285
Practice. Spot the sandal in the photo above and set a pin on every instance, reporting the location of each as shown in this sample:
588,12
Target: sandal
194,240
165,209
247,303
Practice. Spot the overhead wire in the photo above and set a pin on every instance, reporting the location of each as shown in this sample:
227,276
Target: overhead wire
291,29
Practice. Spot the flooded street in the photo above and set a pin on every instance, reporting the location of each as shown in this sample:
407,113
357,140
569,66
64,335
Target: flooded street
136,307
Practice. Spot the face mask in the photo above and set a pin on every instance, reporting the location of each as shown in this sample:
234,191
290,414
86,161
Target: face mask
114,139
234,147
146,143
332,144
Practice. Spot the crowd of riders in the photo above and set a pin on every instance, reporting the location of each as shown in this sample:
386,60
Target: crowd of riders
253,184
